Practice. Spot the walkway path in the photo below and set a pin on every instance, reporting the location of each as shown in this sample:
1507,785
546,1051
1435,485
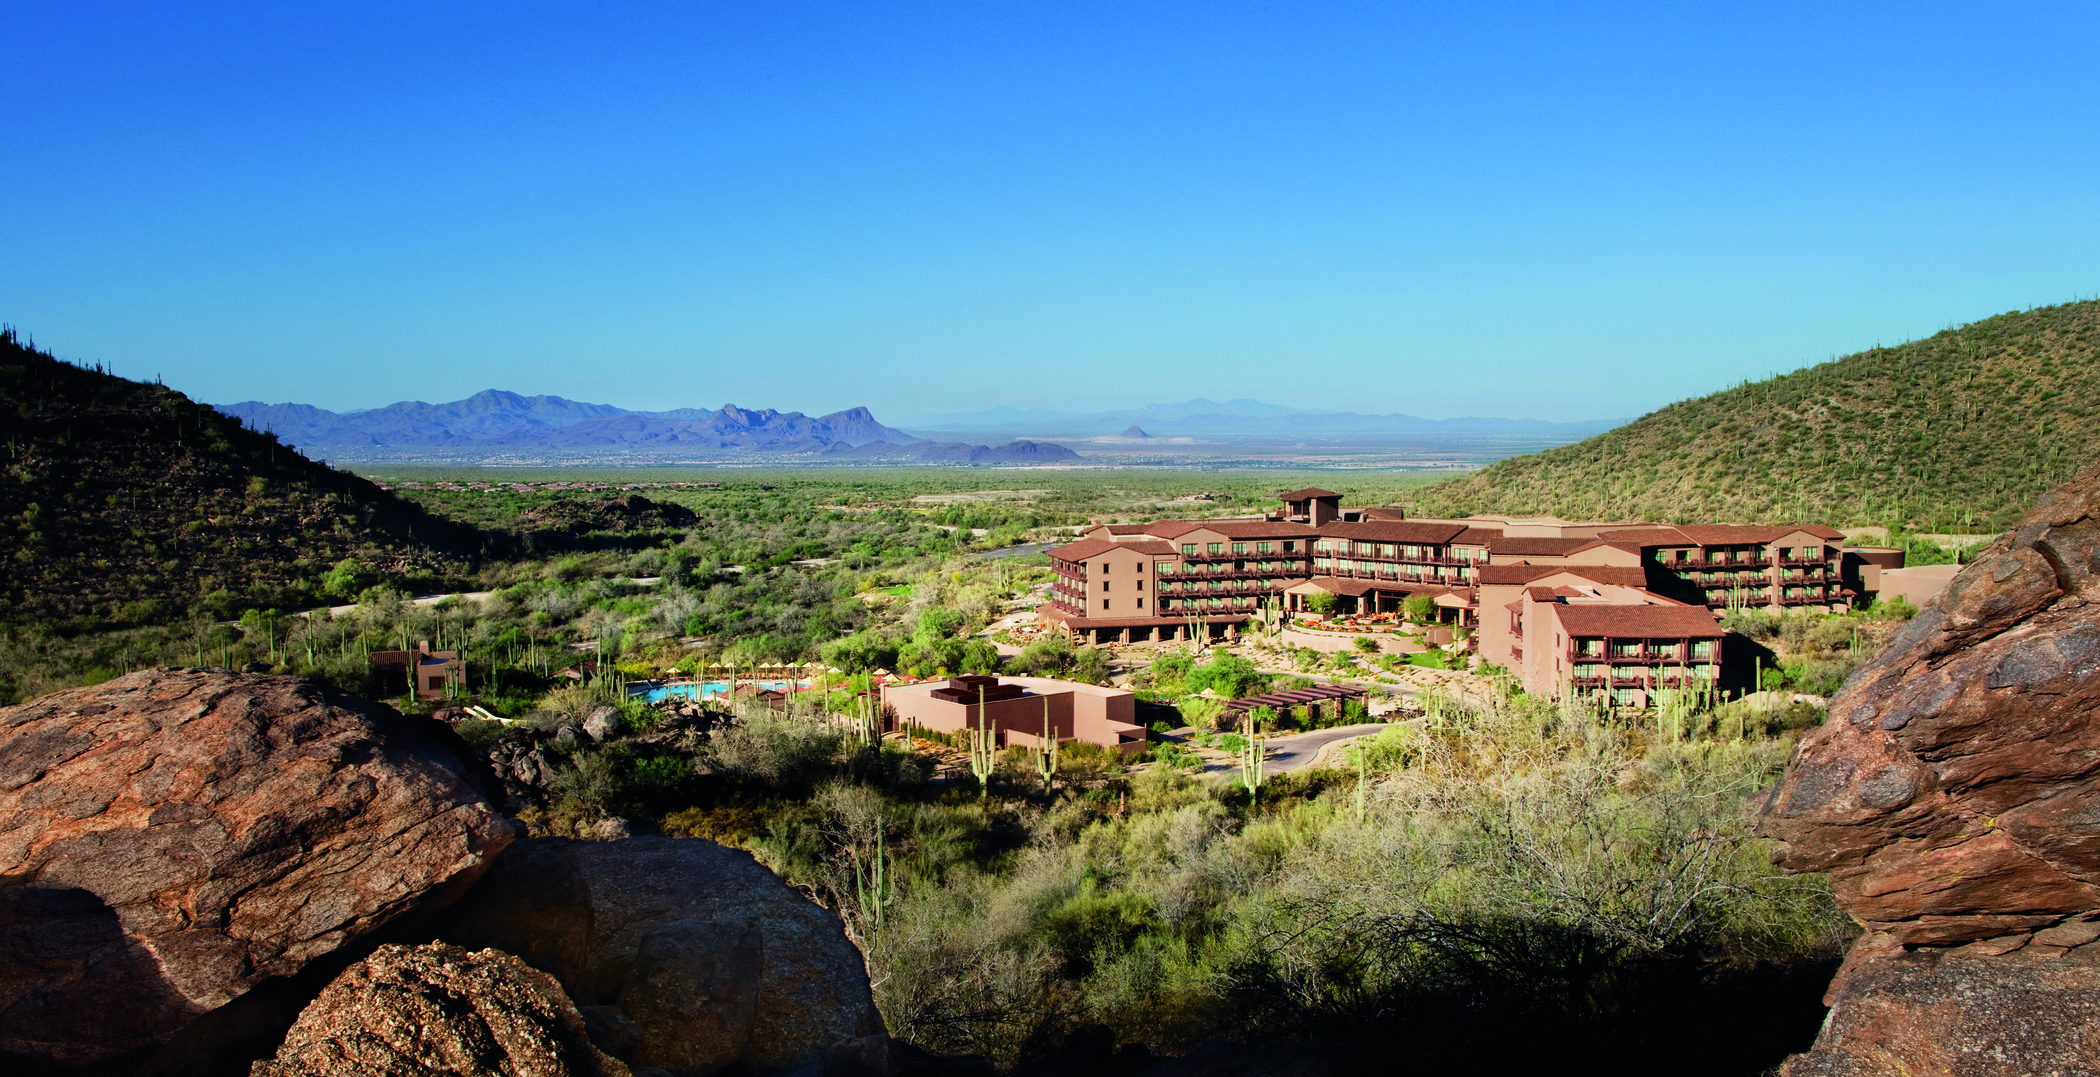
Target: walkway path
1295,751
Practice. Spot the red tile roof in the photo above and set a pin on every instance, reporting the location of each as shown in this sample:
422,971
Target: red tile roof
1615,575
1394,514
1411,532
1095,547
1306,494
1636,622
1507,546
1714,534
1477,536
1255,529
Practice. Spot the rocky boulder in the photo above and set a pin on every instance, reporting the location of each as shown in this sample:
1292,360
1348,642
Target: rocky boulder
688,956
1963,1011
176,843
1953,793
437,1009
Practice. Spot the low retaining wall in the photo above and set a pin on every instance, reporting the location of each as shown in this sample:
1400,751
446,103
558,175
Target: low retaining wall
1332,642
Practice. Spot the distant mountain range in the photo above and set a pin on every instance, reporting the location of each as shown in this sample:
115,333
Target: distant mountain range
1244,418
499,422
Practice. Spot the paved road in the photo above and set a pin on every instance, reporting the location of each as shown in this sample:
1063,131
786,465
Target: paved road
1297,750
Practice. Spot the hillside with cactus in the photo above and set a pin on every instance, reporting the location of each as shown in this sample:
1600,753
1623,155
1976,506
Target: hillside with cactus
1960,432
125,502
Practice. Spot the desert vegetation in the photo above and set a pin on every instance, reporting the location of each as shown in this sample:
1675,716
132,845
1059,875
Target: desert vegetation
1957,433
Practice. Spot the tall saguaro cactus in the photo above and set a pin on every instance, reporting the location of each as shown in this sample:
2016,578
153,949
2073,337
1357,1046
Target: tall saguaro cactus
1253,767
1046,749
872,883
982,748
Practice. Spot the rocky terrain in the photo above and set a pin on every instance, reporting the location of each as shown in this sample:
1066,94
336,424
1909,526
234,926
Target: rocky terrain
191,861
690,954
1952,798
409,1011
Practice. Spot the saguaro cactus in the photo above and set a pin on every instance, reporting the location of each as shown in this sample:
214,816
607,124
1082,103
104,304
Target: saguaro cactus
872,884
982,748
1252,766
1046,749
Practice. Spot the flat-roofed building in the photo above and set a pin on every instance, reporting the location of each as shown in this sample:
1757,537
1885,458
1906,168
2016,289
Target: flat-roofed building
1017,708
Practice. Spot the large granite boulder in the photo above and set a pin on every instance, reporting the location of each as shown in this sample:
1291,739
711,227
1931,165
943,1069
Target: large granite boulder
1954,793
175,844
686,955
436,1009
1962,1011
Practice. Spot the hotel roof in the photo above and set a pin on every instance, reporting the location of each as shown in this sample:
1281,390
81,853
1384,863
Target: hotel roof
1628,622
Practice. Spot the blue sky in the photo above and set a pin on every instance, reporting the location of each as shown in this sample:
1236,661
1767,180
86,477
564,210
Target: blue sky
1558,211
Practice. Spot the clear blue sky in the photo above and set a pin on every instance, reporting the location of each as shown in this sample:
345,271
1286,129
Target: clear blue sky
1565,211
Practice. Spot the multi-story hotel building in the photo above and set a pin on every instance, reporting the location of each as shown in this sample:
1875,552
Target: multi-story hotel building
1533,588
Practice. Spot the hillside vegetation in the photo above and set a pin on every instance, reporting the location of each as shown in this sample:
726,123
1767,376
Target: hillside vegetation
1960,432
125,502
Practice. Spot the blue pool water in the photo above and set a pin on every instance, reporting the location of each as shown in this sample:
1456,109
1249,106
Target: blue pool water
702,689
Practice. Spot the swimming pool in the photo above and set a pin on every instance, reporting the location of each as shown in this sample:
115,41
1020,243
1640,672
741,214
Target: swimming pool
703,689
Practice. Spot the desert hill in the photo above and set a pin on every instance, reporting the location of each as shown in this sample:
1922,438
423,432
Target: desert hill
126,502
1960,431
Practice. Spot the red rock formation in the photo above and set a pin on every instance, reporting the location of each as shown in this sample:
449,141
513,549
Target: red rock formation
172,839
437,1009
1954,794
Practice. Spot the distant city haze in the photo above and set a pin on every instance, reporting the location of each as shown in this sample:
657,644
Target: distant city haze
1526,211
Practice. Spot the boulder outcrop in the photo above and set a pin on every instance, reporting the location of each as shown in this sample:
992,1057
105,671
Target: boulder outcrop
437,1009
175,843
687,955
1953,794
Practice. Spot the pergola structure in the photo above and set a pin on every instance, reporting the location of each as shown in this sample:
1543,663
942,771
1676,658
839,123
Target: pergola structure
1312,698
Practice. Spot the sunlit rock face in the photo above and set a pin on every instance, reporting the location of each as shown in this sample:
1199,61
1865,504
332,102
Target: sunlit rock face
176,844
1954,798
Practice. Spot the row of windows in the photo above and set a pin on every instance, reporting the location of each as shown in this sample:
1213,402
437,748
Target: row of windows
1212,585
1399,552
1372,568
1588,669
1736,555
1188,549
1197,568
1630,648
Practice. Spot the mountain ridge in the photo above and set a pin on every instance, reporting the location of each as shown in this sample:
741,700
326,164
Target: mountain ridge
1238,416
499,419
1957,432
126,502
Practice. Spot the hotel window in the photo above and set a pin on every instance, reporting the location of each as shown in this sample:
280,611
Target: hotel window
1188,549
1163,568
1289,546
1239,547
1141,603
1104,603
1215,547
1104,585
1141,566
1190,566
1388,551
1264,547
1105,566
1141,585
